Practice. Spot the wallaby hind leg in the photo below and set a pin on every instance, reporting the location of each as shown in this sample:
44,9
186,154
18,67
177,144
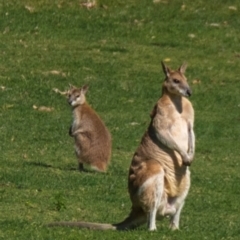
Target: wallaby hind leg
151,195
80,167
174,220
178,203
157,195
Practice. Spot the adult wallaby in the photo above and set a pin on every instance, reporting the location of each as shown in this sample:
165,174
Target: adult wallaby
159,176
92,138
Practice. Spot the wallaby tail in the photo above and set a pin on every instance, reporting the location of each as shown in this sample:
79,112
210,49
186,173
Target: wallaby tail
88,225
135,219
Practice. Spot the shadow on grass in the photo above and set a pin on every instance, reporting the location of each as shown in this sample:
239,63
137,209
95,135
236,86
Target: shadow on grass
45,165
40,164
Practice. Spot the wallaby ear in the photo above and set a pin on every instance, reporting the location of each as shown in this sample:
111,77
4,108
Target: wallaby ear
166,70
66,93
71,86
84,89
183,68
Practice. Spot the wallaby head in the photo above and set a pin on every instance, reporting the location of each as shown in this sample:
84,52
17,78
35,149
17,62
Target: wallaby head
76,96
176,82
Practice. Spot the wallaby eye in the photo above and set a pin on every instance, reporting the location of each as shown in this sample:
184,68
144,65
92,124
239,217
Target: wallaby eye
77,96
176,80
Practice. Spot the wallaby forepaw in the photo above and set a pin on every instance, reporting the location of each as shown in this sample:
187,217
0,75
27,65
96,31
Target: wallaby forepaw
187,163
187,159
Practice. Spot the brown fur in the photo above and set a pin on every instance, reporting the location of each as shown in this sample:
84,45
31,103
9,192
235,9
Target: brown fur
159,178
92,138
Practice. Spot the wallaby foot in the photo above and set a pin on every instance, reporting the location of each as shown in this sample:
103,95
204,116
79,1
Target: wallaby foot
99,166
80,167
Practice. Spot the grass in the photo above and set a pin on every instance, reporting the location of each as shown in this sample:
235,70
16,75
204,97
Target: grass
116,48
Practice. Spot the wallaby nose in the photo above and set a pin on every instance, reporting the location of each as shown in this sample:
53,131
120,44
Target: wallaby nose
189,92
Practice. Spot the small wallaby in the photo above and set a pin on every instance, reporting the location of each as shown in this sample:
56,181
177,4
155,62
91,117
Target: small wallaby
92,138
159,176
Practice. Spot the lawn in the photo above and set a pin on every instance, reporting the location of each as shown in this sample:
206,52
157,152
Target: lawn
116,48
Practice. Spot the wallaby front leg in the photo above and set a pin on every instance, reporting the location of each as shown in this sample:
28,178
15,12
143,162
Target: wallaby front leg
191,142
165,137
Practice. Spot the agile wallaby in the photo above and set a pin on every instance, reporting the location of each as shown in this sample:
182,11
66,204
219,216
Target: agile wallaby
159,177
92,138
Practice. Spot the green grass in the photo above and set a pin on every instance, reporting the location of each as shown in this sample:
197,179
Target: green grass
116,48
